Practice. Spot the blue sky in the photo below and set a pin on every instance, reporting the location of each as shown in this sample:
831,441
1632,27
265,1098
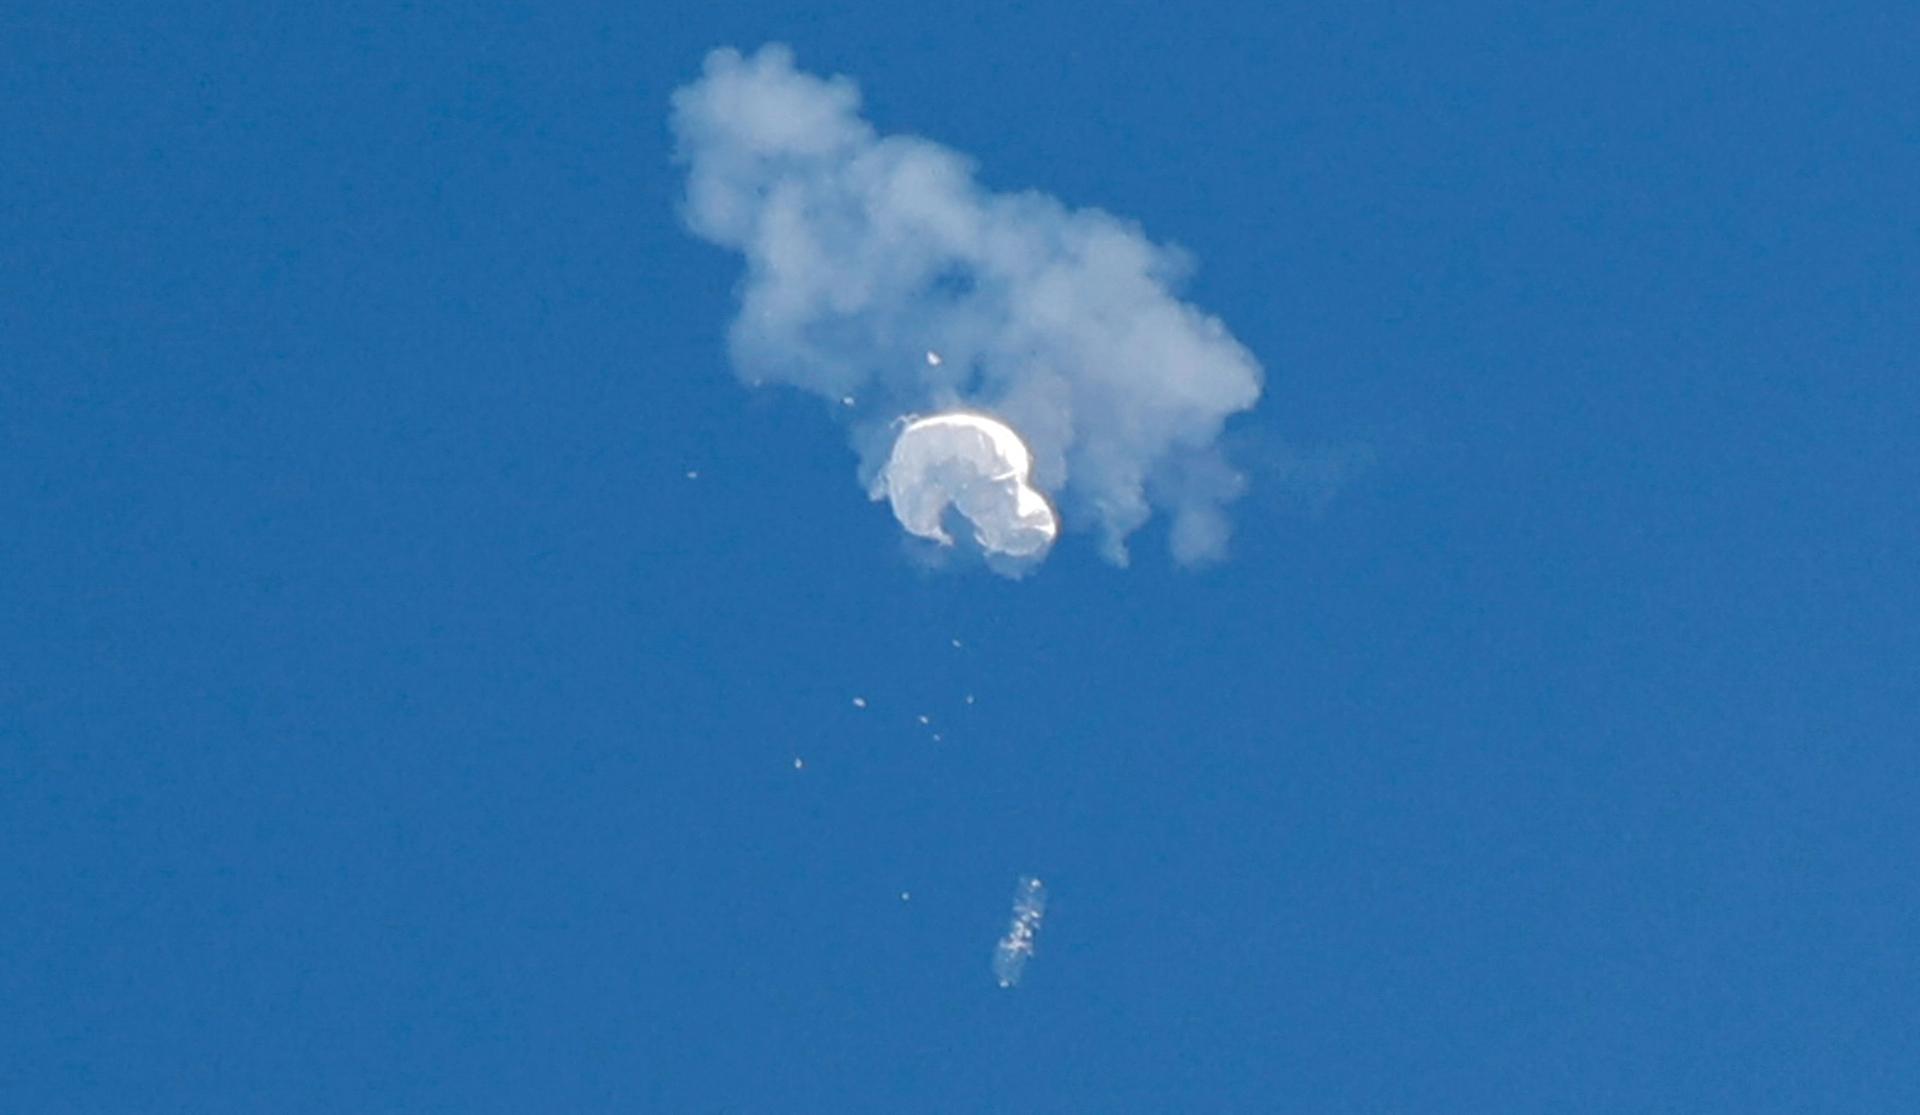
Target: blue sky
387,723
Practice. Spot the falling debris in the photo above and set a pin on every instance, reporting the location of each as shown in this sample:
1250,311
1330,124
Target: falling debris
956,644
936,737
693,474
1011,954
933,359
906,896
969,698
797,764
859,702
925,719
977,466
846,400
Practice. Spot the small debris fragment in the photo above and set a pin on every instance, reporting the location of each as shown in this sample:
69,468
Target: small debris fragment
797,763
859,702
693,474
925,719
933,358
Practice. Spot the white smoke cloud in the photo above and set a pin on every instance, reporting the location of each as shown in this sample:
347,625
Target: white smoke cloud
865,251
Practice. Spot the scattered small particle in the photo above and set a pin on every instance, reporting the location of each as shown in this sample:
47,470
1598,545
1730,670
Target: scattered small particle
859,702
933,358
936,737
969,698
693,474
846,400
797,763
956,644
925,719
906,896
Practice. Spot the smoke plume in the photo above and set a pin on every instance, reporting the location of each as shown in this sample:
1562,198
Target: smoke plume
866,254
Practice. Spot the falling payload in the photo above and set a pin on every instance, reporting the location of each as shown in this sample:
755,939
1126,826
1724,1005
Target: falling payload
977,466
1011,954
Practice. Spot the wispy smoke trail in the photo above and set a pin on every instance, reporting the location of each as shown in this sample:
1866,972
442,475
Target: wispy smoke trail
865,251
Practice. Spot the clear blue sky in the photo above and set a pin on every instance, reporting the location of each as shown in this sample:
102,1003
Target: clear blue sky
387,724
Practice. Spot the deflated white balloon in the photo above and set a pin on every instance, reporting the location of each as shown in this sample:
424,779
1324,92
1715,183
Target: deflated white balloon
979,467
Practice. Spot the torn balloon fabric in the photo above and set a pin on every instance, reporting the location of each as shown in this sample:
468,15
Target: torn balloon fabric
977,467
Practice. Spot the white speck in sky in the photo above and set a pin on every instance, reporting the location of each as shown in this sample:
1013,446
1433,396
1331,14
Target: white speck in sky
859,702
